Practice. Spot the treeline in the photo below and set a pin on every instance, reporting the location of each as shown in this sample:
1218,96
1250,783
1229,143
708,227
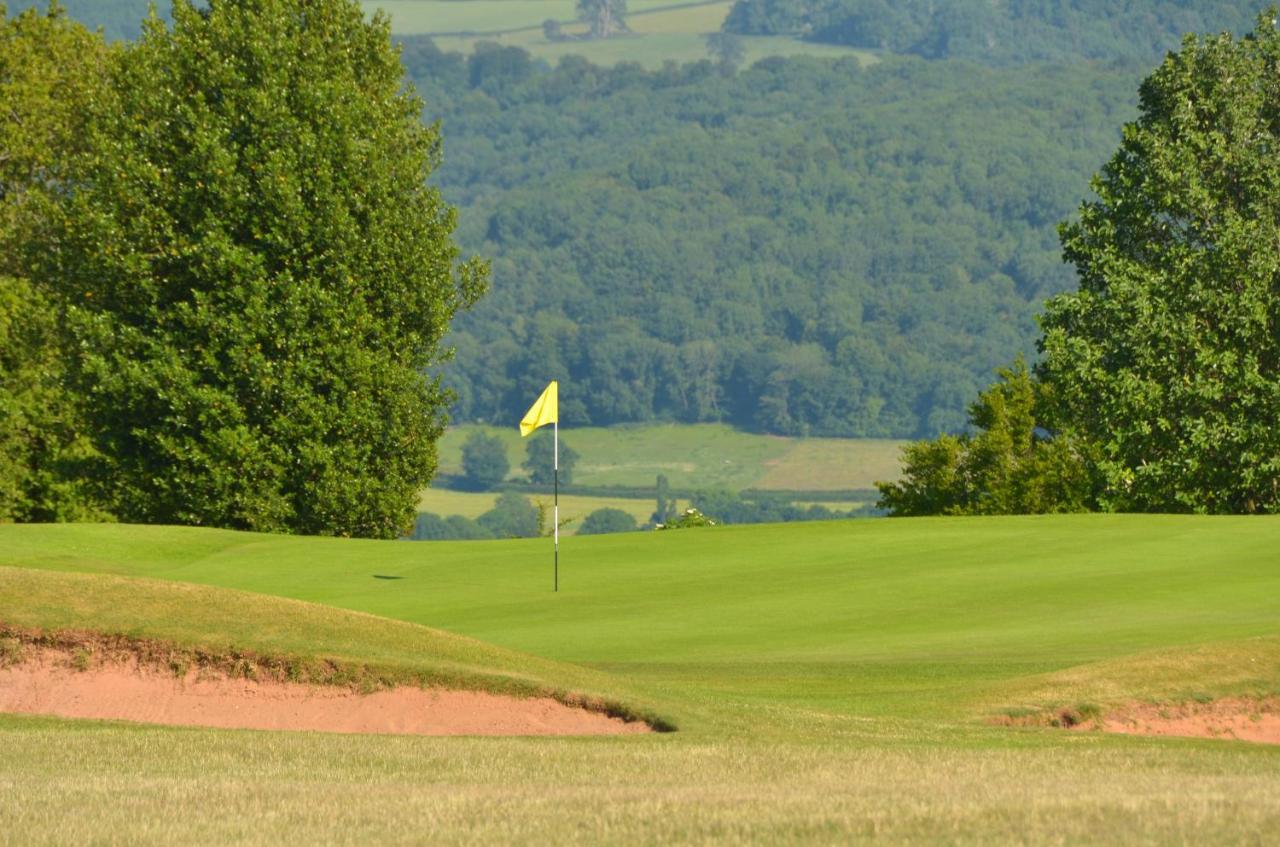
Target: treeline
806,247
1012,32
514,516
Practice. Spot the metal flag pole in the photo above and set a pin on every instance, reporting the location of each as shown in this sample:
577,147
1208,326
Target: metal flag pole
555,511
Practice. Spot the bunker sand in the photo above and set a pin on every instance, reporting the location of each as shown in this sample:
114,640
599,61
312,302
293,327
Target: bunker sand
1236,718
46,681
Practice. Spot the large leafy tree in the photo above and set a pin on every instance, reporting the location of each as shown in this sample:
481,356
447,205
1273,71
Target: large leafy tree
259,274
603,17
50,71
484,461
1168,357
1008,463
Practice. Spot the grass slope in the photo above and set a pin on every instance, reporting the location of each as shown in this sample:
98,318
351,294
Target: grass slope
830,680
363,648
702,456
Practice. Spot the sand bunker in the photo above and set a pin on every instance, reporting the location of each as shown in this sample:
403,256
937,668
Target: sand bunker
56,681
1237,718
1232,717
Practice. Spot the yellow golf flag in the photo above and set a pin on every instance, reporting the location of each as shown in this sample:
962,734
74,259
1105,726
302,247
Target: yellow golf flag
545,410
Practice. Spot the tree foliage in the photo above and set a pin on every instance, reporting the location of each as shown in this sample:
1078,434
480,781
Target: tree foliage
50,71
512,516
484,461
1167,358
1010,464
603,17
804,248
539,461
607,520
257,273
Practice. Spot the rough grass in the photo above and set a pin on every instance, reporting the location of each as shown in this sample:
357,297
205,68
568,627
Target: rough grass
700,456
832,683
141,785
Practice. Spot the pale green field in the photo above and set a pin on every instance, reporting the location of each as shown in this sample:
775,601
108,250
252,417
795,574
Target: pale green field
573,508
662,31
414,17
703,456
652,50
830,682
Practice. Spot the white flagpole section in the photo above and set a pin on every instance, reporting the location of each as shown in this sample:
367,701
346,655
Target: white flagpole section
555,512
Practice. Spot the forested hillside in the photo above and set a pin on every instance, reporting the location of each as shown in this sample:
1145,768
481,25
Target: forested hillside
803,247
1000,33
799,247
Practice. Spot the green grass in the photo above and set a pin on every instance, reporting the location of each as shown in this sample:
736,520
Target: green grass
290,633
662,30
703,456
831,683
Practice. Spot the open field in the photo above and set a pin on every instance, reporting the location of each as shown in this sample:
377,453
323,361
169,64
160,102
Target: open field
573,507
413,17
831,683
661,30
703,456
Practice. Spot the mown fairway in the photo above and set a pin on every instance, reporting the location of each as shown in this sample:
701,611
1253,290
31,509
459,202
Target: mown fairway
830,682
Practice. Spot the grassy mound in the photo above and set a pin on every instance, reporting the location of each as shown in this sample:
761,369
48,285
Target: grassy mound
906,618
247,634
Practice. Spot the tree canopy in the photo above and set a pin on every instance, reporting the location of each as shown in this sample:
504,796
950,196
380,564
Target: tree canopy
807,247
1159,385
256,274
484,461
540,459
51,70
1167,358
1008,464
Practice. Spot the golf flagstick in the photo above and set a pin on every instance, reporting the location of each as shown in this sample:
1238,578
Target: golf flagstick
546,410
555,509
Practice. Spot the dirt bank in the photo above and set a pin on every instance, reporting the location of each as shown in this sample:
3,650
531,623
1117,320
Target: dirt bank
71,682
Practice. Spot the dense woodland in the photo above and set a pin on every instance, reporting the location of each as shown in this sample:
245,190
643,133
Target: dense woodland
799,247
804,247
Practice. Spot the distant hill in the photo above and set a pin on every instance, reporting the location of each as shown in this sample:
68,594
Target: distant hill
1003,33
805,248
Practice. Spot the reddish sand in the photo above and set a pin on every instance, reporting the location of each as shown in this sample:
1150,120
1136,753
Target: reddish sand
1236,718
46,683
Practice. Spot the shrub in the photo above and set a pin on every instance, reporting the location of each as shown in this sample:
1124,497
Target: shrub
603,521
